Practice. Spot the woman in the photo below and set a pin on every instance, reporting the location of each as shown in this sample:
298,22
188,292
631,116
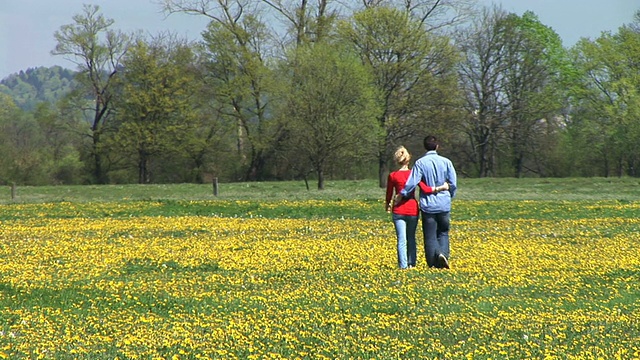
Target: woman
405,212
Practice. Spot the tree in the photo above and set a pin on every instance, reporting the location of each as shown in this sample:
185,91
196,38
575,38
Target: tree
511,75
607,102
331,110
309,21
412,70
434,15
238,77
25,156
155,106
480,74
8,112
61,145
532,54
97,50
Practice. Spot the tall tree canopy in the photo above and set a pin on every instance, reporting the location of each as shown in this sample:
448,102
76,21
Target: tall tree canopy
331,109
97,49
606,121
510,76
412,70
155,104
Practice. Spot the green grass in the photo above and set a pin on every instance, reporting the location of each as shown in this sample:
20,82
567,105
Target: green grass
476,199
572,189
371,209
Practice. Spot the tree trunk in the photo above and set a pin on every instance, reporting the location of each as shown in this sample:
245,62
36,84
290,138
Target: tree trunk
518,165
483,153
99,175
254,172
382,171
142,171
320,179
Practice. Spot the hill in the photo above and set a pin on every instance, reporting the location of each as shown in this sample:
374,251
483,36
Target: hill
36,85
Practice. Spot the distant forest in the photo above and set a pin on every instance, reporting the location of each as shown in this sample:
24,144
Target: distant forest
36,85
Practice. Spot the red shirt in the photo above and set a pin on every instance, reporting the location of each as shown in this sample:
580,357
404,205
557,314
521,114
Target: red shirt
407,206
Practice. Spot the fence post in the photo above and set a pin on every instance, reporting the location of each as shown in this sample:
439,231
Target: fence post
215,186
13,191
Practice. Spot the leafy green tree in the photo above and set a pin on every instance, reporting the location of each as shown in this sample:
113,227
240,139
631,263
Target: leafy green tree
331,110
209,150
8,111
8,107
155,106
237,82
25,160
61,143
607,102
241,83
245,92
97,50
412,70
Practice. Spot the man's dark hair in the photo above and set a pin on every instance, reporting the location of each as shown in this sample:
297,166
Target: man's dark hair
430,143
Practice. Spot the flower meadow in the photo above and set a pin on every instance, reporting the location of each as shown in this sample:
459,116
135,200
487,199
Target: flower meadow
316,280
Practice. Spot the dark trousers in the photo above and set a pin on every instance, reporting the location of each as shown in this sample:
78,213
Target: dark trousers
435,228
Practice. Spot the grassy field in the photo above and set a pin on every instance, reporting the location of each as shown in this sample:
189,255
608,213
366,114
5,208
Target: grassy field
470,189
541,268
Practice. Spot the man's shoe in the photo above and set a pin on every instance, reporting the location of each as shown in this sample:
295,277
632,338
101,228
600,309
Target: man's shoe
443,262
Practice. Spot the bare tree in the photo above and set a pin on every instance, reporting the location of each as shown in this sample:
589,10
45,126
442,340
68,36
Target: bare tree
433,14
509,74
480,72
311,21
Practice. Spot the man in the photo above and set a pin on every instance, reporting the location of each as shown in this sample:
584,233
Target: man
438,172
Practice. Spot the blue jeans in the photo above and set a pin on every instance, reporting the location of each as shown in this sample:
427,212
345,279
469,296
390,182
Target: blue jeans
435,228
406,233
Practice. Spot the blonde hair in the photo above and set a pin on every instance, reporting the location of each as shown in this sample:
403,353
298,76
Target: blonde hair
402,156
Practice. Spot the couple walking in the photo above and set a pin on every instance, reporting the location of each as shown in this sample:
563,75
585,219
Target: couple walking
436,177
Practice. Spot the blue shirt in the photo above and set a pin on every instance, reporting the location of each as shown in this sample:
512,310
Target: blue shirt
435,170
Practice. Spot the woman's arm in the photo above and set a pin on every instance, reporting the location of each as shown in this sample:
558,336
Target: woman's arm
389,195
431,190
426,188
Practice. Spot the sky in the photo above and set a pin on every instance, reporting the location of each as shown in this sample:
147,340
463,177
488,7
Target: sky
27,26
